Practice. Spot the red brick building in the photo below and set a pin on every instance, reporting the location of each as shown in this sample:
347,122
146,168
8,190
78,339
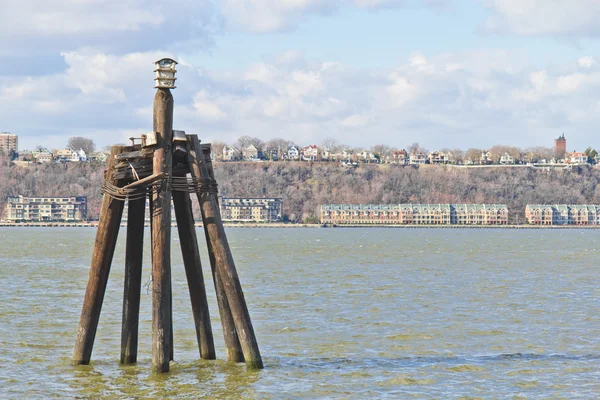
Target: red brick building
560,147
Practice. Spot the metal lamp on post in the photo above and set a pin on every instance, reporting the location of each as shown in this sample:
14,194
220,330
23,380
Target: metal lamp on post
165,73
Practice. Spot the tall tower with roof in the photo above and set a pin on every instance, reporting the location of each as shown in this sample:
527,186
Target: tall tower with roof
560,147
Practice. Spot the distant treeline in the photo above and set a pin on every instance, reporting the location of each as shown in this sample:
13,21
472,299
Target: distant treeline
304,186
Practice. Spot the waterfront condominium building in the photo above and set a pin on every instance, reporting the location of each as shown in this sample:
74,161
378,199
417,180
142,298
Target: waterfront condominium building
562,214
248,209
8,142
21,208
415,214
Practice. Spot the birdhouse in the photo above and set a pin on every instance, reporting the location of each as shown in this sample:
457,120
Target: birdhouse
165,73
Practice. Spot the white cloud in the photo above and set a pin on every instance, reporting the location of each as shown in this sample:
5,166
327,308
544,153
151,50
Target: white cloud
468,99
206,108
586,62
576,18
355,121
51,26
279,15
272,15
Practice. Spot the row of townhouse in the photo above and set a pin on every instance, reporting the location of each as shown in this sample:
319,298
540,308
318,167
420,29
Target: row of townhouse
417,214
62,155
562,214
22,208
250,209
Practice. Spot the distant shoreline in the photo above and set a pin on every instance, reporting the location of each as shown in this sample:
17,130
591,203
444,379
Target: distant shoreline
94,224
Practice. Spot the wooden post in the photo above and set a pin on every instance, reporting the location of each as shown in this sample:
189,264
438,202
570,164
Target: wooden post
161,234
224,262
193,272
111,212
133,280
232,342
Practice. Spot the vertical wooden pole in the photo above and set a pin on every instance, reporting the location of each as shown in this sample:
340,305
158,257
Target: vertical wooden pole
106,238
161,234
133,280
224,262
232,342
193,272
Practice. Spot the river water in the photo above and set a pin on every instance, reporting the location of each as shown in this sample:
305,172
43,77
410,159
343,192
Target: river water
338,313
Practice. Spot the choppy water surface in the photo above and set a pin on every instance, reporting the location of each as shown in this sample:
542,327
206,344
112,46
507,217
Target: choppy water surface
338,313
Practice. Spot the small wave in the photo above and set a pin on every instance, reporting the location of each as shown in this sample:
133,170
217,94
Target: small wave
465,367
406,381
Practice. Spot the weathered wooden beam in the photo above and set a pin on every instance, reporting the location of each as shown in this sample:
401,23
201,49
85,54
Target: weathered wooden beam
111,212
137,163
146,152
133,280
149,179
224,260
127,174
232,342
193,272
161,235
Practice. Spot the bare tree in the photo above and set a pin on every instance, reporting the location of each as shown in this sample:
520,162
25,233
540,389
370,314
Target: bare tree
278,144
416,148
79,142
539,153
381,149
473,155
246,141
459,155
330,144
217,149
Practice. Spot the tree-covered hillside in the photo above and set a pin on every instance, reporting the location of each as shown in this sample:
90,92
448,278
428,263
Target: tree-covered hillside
304,186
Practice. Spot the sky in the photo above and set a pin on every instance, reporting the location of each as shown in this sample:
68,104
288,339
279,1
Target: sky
443,73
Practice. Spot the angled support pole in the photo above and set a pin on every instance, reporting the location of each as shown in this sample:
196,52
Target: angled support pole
111,212
136,213
193,271
233,347
225,267
199,171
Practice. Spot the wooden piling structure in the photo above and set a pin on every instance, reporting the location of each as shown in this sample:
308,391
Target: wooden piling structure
148,170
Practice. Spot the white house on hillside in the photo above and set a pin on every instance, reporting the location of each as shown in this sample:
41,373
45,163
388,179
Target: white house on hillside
310,153
228,153
293,153
250,152
578,158
417,158
507,159
82,156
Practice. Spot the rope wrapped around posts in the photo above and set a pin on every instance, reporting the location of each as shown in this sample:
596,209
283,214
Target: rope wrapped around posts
136,190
